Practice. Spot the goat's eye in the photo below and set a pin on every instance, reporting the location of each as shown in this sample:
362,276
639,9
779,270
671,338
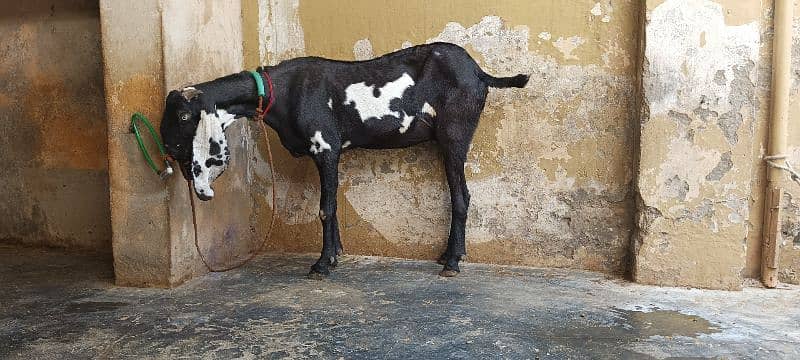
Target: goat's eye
185,117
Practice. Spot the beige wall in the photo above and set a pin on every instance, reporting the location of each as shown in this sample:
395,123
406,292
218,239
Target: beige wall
54,182
176,43
702,136
790,230
551,166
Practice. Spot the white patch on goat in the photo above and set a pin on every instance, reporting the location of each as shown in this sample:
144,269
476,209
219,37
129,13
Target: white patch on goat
318,144
210,153
369,106
225,118
428,109
406,123
346,144
330,103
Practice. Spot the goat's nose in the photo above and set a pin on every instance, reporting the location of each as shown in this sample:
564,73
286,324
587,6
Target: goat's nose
204,194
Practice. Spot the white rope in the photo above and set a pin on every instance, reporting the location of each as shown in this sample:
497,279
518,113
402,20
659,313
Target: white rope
786,167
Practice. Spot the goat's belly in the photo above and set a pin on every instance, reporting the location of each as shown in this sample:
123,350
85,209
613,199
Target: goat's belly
415,134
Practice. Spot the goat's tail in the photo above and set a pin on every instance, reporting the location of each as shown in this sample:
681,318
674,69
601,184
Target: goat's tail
518,81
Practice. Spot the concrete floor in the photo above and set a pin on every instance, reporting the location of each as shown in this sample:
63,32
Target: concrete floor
63,305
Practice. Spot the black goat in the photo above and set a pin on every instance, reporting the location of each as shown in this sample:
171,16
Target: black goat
322,107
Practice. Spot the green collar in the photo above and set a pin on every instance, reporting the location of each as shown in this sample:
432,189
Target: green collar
259,83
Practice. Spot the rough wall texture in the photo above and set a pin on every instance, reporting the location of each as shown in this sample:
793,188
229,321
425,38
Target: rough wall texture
790,227
551,167
176,43
701,136
140,216
54,182
192,35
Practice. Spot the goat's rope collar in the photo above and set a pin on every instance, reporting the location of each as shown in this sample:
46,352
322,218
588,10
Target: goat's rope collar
262,111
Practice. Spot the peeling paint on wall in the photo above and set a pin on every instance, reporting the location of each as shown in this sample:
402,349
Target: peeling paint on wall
568,45
789,264
280,31
695,170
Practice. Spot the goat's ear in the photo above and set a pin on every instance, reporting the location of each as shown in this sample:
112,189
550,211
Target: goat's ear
189,93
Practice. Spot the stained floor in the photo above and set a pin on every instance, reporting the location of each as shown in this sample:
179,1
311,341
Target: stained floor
58,304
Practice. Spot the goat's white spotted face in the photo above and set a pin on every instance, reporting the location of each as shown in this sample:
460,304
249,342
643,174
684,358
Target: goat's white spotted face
195,138
210,152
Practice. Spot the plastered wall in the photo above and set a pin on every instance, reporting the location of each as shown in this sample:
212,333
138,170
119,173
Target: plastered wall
551,167
706,101
790,229
175,44
54,182
192,54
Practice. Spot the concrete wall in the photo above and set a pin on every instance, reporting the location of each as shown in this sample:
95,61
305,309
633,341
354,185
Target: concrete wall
790,229
193,34
551,166
707,78
175,43
54,182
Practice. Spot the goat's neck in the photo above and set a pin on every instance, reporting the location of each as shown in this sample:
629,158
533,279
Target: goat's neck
233,94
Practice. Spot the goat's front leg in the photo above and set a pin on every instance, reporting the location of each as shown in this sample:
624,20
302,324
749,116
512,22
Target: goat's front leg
328,166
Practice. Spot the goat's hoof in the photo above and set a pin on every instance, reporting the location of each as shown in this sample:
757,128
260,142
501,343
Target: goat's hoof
448,273
333,262
318,272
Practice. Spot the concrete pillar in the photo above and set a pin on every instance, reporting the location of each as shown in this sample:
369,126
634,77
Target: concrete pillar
150,47
699,142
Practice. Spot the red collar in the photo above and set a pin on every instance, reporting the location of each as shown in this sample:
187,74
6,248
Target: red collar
261,111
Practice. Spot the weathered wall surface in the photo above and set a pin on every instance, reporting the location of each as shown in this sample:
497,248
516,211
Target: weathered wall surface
789,264
54,182
193,53
140,214
551,167
176,43
704,80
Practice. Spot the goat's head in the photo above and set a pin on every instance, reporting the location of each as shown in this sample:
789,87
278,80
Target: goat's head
194,135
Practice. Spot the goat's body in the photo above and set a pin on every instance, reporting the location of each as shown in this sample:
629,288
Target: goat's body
447,86
323,107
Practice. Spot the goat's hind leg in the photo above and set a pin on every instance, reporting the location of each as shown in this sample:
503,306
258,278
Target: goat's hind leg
454,132
459,200
328,166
